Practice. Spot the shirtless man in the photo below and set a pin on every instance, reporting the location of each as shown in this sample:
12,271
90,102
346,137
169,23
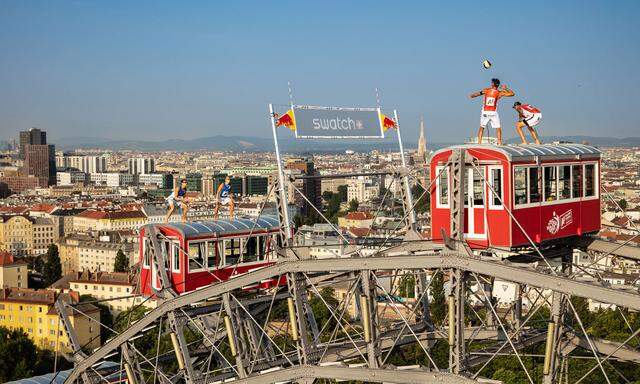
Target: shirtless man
224,197
528,116
490,107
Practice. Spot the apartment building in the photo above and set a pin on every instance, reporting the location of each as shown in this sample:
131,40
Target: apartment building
33,311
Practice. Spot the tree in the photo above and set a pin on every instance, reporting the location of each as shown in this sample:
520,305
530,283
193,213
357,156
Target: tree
353,205
17,354
342,192
320,310
52,270
623,204
122,262
407,285
106,318
38,264
421,198
438,305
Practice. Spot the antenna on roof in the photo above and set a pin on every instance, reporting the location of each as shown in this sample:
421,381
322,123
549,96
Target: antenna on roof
290,93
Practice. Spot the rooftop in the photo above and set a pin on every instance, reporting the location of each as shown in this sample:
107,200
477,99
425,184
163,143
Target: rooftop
224,226
531,151
112,215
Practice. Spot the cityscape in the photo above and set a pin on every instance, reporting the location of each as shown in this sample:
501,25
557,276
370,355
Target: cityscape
259,193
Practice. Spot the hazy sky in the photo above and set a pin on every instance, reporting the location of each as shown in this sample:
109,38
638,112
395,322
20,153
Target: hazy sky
161,69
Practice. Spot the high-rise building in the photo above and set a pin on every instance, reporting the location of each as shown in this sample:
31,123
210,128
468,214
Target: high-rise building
255,185
40,161
194,182
33,136
86,164
142,165
311,187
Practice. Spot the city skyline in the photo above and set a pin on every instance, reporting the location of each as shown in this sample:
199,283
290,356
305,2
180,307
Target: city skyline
154,70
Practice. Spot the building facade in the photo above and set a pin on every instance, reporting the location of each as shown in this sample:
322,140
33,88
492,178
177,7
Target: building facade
141,165
13,272
16,235
33,311
39,161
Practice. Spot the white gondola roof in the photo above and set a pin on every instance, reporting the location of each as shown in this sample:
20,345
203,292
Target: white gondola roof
529,151
225,226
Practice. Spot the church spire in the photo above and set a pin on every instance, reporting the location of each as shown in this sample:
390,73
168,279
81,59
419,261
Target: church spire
422,143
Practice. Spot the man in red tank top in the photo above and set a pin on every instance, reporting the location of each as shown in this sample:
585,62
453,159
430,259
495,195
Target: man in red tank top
490,107
528,116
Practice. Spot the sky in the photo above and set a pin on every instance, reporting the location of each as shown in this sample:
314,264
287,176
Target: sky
156,70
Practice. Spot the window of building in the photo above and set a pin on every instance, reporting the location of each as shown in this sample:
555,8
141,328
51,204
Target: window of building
212,254
589,180
520,185
495,180
564,181
443,187
146,253
175,264
535,194
197,254
550,184
478,188
576,175
252,250
231,251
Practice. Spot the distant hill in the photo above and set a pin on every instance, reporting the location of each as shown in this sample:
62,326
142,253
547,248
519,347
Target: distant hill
260,144
228,143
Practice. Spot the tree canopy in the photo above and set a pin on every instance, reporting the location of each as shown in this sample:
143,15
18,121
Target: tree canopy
122,262
52,270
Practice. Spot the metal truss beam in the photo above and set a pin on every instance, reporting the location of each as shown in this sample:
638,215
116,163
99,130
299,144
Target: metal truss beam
356,374
444,260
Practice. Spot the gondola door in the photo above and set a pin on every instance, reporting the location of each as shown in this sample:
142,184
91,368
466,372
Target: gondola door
155,274
475,203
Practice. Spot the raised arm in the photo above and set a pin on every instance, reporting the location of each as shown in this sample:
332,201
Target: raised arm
476,94
506,92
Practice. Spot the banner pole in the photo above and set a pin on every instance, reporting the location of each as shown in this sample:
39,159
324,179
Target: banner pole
281,185
412,214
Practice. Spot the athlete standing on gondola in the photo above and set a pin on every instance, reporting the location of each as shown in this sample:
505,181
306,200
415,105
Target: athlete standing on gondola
178,197
528,116
490,107
224,197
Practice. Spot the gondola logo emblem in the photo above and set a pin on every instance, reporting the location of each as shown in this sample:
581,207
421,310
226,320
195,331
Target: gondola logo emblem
556,223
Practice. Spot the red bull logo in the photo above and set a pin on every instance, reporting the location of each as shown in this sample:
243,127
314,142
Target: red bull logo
388,123
557,223
286,120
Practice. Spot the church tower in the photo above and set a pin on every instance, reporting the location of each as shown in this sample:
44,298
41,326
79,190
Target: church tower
422,144
422,154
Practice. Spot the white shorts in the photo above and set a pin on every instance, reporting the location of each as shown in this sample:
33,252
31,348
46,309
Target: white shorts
490,117
176,203
224,201
533,120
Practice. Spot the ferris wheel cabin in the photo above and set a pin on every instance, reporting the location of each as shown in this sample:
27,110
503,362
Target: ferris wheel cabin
515,193
202,253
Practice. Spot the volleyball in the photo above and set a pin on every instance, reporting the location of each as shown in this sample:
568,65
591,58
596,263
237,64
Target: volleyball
486,64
